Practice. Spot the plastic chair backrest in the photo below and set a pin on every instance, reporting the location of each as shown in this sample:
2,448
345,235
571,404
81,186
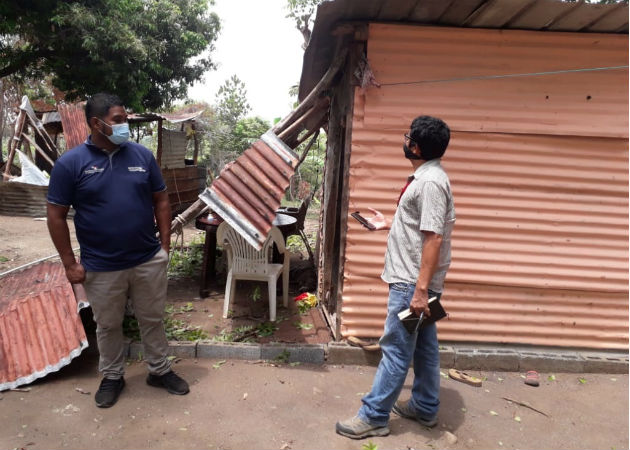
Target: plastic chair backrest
242,257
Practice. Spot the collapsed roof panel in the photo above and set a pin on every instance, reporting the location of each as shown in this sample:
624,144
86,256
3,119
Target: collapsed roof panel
248,191
40,327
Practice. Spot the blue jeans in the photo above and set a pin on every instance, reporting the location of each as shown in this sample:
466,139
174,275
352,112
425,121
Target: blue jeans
398,348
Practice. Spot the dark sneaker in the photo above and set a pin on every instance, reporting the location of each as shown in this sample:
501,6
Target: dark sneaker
356,428
170,381
108,392
404,409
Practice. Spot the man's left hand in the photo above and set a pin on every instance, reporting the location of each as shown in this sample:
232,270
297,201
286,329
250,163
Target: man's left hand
420,303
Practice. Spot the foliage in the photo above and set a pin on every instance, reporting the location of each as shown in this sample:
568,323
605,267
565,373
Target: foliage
224,130
146,51
283,356
266,329
369,446
186,262
176,330
256,293
302,12
303,326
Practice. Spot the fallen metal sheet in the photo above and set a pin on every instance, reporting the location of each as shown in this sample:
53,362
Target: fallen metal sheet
248,191
75,127
40,328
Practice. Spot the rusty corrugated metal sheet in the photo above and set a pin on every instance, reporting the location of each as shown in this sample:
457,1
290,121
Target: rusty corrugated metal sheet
40,328
553,15
248,191
75,127
540,246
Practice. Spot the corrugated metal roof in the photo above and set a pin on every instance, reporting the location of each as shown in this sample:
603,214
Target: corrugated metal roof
248,191
75,127
40,328
552,15
540,246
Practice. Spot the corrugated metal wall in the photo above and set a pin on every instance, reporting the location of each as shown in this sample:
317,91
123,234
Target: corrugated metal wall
174,145
539,169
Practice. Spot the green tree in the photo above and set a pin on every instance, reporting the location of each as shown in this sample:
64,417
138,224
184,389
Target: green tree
231,102
302,12
146,51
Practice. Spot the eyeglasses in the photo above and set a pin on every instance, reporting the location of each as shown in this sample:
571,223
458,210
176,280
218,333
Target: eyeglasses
408,138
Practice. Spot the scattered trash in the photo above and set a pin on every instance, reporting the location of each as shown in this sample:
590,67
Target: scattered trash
81,391
494,413
305,302
582,380
464,410
174,359
245,396
463,377
526,405
219,364
367,346
450,438
517,418
612,379
21,389
532,378
499,379
295,363
303,326
551,378
183,429
443,375
68,410
285,446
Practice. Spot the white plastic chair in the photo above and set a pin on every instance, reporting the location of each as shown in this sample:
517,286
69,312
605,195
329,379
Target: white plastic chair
247,263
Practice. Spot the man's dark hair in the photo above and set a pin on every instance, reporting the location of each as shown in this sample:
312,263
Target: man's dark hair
99,104
432,136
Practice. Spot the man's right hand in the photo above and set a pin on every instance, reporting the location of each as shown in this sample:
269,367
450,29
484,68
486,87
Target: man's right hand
379,221
75,273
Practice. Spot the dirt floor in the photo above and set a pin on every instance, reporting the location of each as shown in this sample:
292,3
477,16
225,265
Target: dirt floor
260,405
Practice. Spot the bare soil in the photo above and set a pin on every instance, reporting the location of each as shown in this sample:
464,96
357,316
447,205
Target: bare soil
258,405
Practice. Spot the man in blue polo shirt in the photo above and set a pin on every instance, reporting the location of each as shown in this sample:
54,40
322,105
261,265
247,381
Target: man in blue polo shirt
118,194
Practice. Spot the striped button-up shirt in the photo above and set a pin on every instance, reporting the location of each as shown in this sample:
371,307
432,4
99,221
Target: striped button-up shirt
426,205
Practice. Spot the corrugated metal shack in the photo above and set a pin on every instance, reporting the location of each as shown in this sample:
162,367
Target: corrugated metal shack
535,93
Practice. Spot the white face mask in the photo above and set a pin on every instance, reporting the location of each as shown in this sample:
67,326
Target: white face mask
120,132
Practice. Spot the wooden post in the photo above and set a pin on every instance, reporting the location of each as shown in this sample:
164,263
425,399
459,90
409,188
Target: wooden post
195,142
159,144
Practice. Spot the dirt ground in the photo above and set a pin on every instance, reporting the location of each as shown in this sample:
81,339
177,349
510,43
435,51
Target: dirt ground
258,405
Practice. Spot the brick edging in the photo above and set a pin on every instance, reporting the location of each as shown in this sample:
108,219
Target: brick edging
459,357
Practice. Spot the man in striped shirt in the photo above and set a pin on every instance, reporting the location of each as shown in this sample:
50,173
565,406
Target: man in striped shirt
416,261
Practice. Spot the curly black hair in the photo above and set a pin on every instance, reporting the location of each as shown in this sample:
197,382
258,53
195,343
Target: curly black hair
432,136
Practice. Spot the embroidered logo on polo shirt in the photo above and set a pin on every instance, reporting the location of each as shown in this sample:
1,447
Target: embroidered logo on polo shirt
136,169
93,169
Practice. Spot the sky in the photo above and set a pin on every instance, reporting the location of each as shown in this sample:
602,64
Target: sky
263,48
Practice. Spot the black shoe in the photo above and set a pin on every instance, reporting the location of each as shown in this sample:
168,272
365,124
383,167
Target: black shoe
108,392
170,381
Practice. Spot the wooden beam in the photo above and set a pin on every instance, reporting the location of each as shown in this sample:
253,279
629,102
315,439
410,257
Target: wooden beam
19,126
37,147
314,94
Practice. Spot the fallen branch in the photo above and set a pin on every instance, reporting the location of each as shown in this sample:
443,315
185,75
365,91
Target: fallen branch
526,405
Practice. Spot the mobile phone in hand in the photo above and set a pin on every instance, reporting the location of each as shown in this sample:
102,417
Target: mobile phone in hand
363,221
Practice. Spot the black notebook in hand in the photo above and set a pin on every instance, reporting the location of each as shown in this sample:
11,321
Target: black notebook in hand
412,322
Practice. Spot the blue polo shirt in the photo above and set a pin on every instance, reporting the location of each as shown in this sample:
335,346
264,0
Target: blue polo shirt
112,195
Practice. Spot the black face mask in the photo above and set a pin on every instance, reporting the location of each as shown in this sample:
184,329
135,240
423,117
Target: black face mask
409,154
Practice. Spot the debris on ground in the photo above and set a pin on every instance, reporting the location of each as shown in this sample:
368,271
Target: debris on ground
525,404
463,377
532,378
81,391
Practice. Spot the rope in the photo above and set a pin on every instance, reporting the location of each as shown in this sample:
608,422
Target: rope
513,75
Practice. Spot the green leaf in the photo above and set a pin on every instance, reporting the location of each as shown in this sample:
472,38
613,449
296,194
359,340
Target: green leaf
218,364
582,380
552,378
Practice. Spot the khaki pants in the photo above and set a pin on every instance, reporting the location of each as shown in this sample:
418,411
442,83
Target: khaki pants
145,287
